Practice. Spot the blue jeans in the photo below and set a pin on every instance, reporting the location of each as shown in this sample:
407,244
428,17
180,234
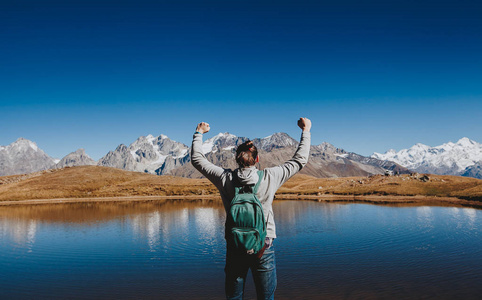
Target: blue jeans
263,270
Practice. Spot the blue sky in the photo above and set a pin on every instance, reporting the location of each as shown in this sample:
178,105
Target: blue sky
372,75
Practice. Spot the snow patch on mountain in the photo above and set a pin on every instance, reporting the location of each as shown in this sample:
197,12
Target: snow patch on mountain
228,142
150,154
20,145
447,159
222,141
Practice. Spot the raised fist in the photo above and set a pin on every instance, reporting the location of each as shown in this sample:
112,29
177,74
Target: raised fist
304,124
203,127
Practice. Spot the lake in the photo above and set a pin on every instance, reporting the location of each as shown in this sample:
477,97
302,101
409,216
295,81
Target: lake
175,250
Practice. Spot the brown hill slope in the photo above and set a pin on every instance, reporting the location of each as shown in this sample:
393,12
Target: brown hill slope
403,185
95,181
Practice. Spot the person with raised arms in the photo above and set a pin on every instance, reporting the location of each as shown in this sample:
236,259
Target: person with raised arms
247,194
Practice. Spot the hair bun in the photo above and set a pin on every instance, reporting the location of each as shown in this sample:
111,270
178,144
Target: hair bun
246,154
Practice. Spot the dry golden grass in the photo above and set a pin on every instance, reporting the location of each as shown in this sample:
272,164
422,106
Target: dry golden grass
403,185
95,181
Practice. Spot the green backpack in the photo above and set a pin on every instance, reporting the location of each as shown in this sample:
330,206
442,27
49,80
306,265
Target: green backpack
245,223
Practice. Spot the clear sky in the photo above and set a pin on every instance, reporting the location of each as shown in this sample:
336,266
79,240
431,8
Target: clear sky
371,75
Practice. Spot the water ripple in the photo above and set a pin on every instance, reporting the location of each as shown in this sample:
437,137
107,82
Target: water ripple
331,251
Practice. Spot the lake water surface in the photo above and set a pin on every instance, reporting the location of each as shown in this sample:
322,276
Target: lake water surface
175,250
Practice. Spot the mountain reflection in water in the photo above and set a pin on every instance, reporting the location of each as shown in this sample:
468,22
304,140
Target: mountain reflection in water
175,249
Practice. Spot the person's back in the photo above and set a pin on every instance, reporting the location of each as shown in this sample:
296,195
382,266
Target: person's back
262,264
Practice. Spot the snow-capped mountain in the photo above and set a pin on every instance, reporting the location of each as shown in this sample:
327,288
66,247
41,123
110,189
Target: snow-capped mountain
23,156
149,154
222,141
161,155
325,159
227,141
446,159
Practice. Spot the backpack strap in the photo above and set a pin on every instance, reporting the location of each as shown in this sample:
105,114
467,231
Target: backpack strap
255,188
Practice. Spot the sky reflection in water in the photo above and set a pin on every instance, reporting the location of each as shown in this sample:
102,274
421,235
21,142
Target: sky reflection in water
176,250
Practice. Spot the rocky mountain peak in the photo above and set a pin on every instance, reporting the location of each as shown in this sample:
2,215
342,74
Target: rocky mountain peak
121,147
166,146
466,142
221,142
419,146
77,158
222,138
276,140
23,144
23,156
80,151
146,154
327,147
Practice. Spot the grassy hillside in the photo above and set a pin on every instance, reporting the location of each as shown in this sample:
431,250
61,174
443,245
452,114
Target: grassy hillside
95,181
403,185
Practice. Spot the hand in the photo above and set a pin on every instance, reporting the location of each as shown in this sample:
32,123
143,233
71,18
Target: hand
203,127
304,124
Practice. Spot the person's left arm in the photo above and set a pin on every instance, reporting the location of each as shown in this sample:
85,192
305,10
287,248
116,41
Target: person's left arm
280,174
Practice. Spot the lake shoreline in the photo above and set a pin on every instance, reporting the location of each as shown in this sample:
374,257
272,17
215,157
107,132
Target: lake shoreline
393,200
103,184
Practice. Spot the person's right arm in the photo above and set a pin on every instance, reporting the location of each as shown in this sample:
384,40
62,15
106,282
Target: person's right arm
282,173
199,161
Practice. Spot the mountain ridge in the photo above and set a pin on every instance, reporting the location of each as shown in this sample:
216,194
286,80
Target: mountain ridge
161,155
325,159
447,159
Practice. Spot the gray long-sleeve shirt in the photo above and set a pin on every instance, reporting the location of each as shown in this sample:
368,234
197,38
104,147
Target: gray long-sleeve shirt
272,179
